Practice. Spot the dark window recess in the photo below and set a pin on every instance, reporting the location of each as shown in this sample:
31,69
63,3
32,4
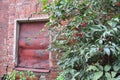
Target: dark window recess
33,46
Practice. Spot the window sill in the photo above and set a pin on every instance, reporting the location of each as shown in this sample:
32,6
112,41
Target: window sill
34,70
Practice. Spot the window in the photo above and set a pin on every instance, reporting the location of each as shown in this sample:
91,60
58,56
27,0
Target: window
31,47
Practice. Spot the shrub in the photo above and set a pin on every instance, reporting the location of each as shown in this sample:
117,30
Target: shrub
15,75
87,35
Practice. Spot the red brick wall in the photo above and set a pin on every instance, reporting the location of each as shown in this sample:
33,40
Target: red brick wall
9,11
3,35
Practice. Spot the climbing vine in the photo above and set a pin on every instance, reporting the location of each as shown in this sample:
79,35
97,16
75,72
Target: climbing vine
86,37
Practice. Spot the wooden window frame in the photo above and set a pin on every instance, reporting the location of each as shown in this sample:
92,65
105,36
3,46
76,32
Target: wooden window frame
16,38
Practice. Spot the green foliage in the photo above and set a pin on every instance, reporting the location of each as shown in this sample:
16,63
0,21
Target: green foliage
87,35
60,77
11,76
21,74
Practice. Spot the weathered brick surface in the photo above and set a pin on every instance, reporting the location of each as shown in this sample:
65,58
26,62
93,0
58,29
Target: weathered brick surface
9,11
3,35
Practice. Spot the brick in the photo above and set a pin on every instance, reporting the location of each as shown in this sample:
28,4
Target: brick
22,14
11,19
9,11
3,6
3,35
12,1
2,71
5,1
11,64
53,75
3,17
12,10
9,70
11,31
11,42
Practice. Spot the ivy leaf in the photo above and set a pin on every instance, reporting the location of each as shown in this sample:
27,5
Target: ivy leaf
23,78
92,68
76,74
97,75
116,19
107,33
100,41
44,1
107,67
114,1
117,78
107,51
116,68
112,23
113,50
115,29
100,67
108,76
96,28
58,13
113,74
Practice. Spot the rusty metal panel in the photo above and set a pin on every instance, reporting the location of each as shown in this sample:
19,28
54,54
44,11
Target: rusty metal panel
33,29
33,44
33,58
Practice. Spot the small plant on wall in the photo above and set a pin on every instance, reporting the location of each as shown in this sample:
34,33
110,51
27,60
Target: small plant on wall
86,38
20,75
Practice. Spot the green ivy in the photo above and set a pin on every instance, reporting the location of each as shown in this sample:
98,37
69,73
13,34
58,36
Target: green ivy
87,35
22,75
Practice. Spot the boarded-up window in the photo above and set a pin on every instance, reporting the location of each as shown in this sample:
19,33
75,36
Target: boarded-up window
33,45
